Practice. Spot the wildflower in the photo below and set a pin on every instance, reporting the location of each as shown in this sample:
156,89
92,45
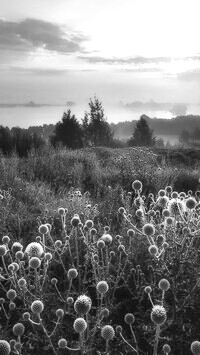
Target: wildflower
37,307
100,244
61,211
130,233
190,203
107,332
43,229
83,304
80,325
62,343
34,262
129,318
58,244
34,249
4,347
166,349
11,294
89,224
106,238
176,206
72,274
174,194
158,315
3,250
102,287
75,221
59,313
164,284
153,250
5,239
16,247
18,329
148,229
148,289
195,347
137,185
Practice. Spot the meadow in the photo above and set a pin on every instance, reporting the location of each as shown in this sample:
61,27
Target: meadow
99,252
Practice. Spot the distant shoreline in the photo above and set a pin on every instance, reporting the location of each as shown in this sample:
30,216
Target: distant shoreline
32,105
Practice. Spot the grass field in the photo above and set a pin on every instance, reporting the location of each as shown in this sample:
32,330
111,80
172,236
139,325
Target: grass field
100,252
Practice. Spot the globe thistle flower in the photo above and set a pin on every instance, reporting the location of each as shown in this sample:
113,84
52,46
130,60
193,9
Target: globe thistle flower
70,301
174,194
16,247
107,238
19,255
5,239
161,193
121,210
164,285
89,224
43,229
4,347
34,262
83,304
118,329
34,249
37,307
148,229
48,256
58,244
75,221
176,206
102,287
62,343
137,185
129,318
148,289
106,229
195,347
22,282
153,250
100,244
162,201
130,233
11,294
105,312
190,203
12,305
158,315
60,313
107,332
166,349
26,316
169,221
168,189
61,211
72,274
18,329
139,213
80,325
3,250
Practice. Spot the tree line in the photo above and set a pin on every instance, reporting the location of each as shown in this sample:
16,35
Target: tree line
94,130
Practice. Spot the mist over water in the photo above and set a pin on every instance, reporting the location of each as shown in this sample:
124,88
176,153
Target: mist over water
24,116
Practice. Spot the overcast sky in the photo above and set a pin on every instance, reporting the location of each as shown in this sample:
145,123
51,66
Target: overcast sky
130,53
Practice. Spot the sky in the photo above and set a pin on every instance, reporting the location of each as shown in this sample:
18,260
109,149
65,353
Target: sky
136,56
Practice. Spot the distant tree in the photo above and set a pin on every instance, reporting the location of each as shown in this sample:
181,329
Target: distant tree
6,143
142,135
95,125
68,132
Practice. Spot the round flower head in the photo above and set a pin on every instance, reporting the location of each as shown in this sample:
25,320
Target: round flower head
61,211
165,213
129,318
43,229
80,325
34,249
182,195
139,213
174,194
72,274
158,315
89,223
153,250
107,332
4,347
22,282
83,304
37,307
166,349
102,287
75,221
16,247
62,343
130,233
195,347
26,316
121,210
176,206
58,243
60,313
190,203
118,329
148,229
11,294
12,305
105,312
70,301
3,250
107,238
19,255
34,262
18,329
161,193
6,239
148,289
162,201
164,285
137,185
169,221
100,244
168,189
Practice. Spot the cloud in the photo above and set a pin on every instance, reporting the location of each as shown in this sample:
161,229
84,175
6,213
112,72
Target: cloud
31,34
137,60
190,75
175,108
38,71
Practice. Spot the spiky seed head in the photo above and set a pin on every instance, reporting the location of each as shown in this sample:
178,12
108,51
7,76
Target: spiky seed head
121,210
161,193
62,343
83,304
61,211
158,315
21,282
70,301
54,281
105,312
48,256
107,332
118,329
4,347
130,233
11,294
165,213
100,244
58,243
26,316
148,289
3,250
6,239
107,238
18,346
176,206
89,223
72,274
169,221
75,221
18,329
34,249
19,255
137,185
129,318
37,307
34,262
16,247
153,250
168,189
164,284
60,313
195,347
174,194
102,287
166,349
165,245
43,229
12,305
80,325
190,203
148,229
139,213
